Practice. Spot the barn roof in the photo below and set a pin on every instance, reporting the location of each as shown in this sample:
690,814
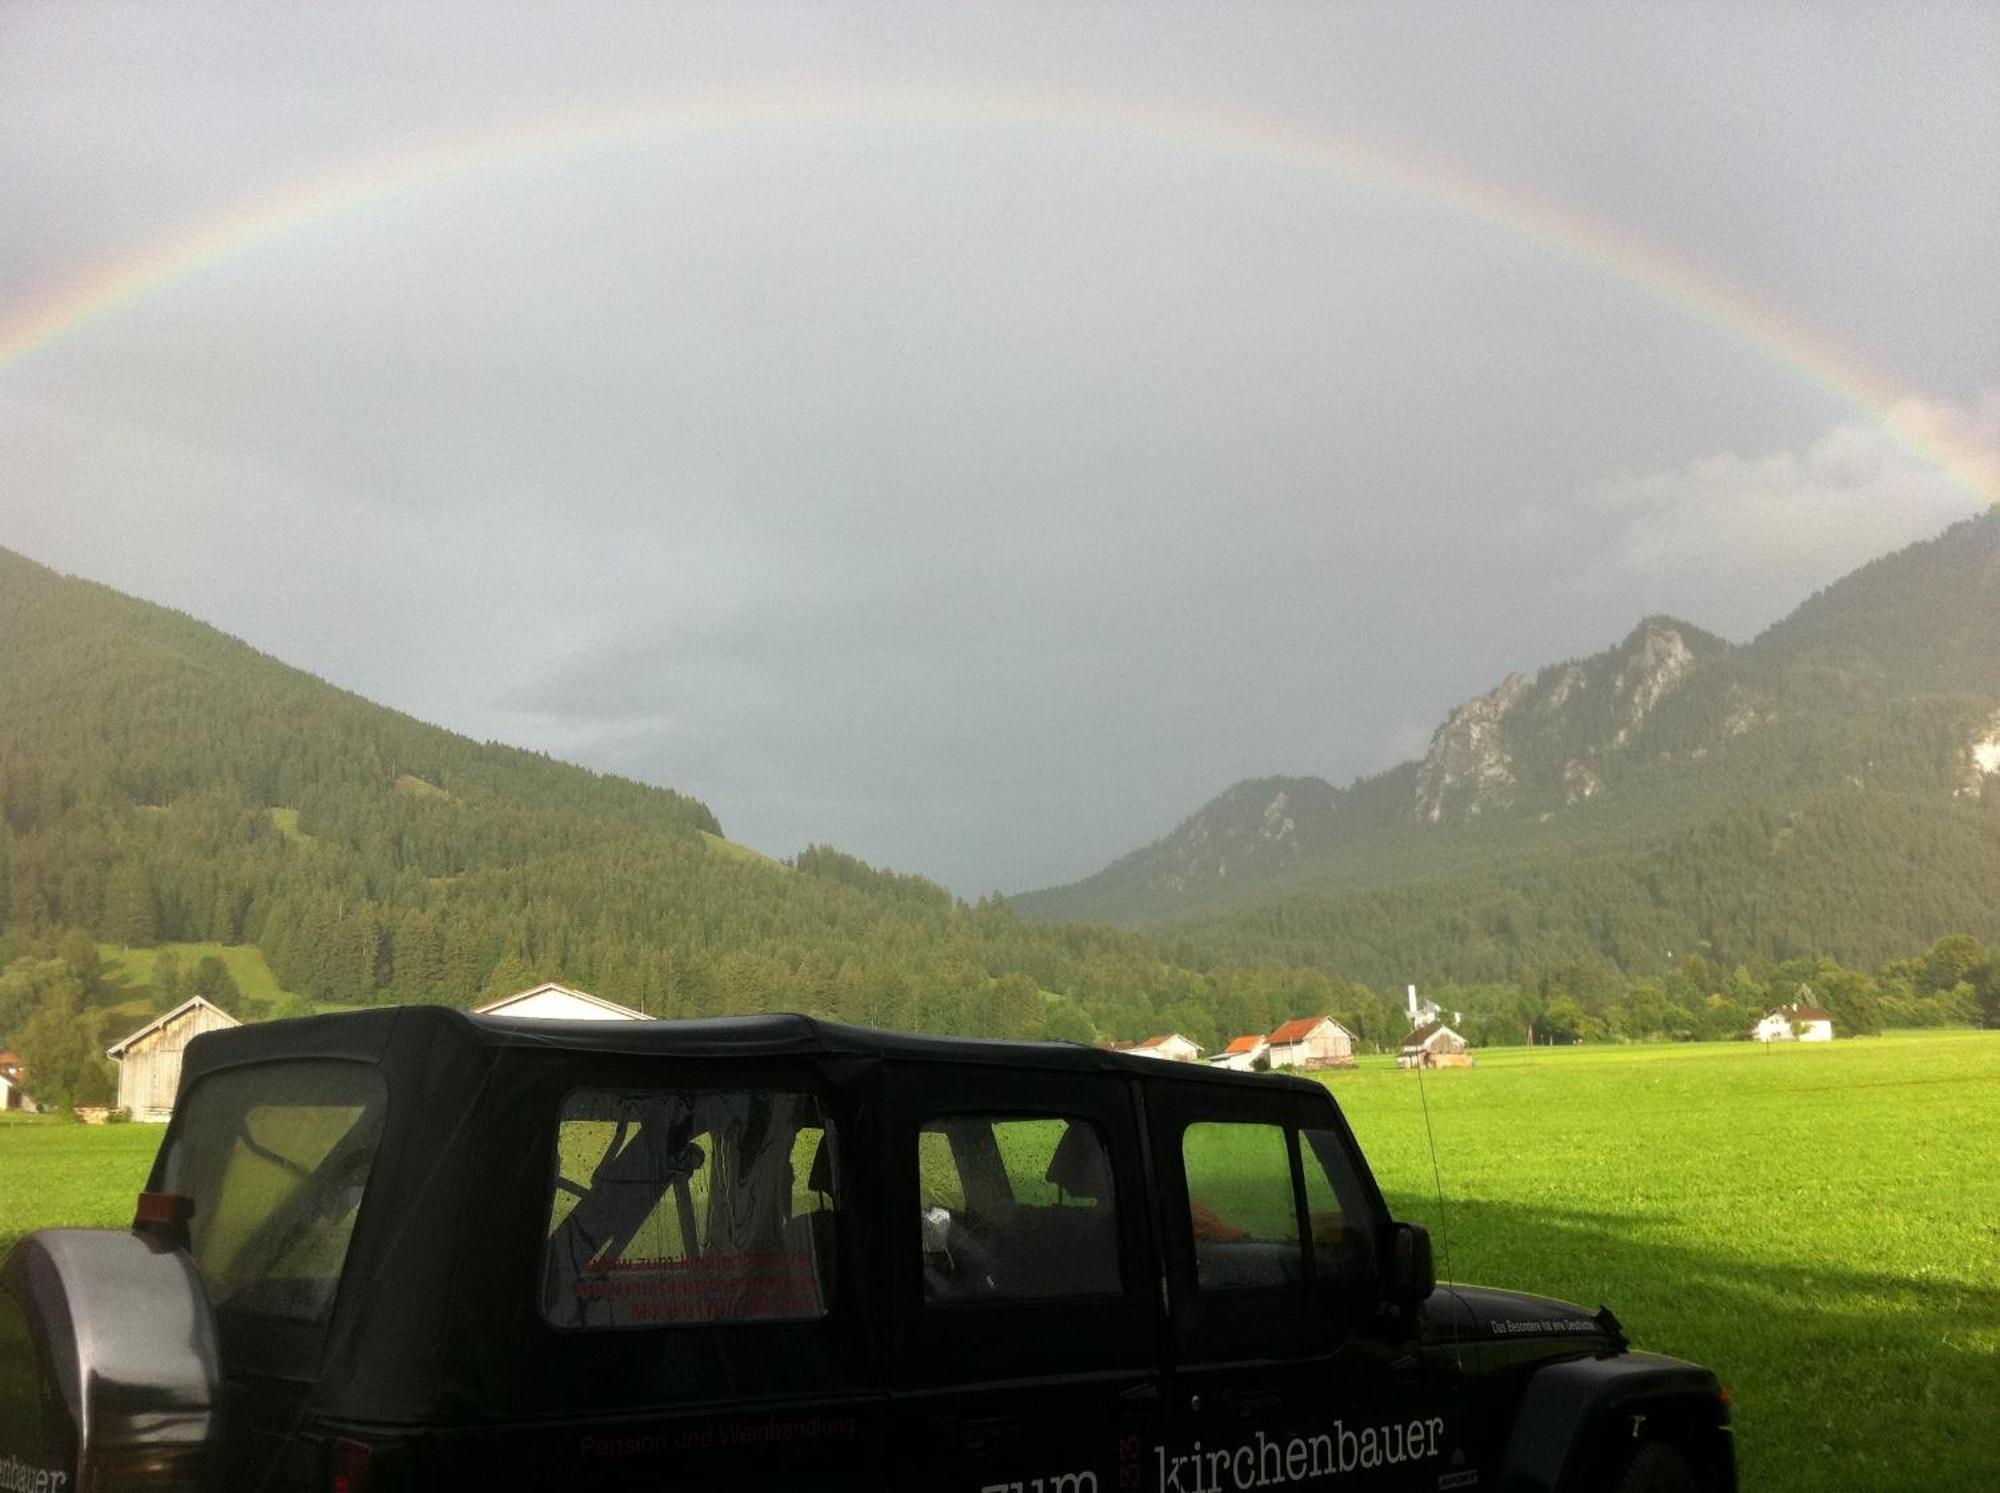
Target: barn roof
1803,1013
1243,1044
158,1023
550,987
1297,1029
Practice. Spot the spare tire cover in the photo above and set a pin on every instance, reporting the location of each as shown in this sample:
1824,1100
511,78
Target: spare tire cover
107,1366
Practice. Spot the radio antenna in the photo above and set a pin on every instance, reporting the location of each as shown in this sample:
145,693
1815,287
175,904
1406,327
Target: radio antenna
1437,1181
1430,1135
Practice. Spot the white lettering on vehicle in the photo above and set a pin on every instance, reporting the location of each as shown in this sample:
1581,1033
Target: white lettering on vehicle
1266,1461
17,1476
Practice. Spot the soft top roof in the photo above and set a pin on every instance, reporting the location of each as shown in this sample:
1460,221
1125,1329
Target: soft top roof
372,1035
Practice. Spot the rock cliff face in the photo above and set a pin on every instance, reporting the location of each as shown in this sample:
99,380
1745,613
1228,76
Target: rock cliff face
1467,769
1982,758
1256,827
1550,743
1654,669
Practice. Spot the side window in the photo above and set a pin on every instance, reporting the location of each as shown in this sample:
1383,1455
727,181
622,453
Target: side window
276,1158
1241,1206
689,1207
1015,1208
1343,1249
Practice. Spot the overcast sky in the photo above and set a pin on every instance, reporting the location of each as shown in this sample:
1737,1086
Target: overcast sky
974,436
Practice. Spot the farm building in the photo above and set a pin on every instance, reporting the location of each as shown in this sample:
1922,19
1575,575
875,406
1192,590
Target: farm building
553,1002
13,1095
1171,1046
1312,1042
149,1061
1434,1045
1241,1055
1812,1025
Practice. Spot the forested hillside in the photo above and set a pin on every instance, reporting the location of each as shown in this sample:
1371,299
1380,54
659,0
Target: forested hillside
1832,787
161,782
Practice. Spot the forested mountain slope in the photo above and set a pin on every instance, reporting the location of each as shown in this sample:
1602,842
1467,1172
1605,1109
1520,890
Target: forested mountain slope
1833,786
161,781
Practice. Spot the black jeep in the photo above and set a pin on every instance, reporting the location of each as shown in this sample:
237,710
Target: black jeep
414,1250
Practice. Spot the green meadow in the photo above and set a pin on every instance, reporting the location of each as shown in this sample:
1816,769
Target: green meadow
1819,1224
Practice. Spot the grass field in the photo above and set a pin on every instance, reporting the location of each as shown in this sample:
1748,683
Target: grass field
1819,1224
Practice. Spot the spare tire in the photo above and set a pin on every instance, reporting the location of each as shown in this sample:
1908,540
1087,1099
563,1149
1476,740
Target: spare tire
108,1375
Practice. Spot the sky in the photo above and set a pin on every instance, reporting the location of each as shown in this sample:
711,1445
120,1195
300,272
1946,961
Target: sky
976,435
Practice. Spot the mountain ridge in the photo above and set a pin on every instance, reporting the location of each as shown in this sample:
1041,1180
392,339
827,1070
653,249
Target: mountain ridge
1886,681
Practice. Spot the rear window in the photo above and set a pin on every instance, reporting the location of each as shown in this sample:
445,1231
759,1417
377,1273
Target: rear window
689,1207
276,1158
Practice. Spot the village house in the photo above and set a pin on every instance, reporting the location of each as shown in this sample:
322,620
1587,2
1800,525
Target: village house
1171,1046
1798,1022
149,1061
553,1002
1241,1055
13,1092
1312,1042
1434,1045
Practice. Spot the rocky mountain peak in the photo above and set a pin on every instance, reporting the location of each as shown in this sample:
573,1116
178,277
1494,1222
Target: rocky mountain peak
1548,741
1467,768
1653,663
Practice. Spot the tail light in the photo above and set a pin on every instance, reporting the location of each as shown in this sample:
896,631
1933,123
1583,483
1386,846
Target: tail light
163,1216
350,1466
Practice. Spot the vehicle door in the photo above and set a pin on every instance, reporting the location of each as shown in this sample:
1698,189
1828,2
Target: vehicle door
694,1314
1024,1282
1286,1369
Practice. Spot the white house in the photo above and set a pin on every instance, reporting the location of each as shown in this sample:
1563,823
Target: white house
1312,1042
12,1076
1434,1045
1171,1046
1241,1055
149,1061
1813,1025
553,1002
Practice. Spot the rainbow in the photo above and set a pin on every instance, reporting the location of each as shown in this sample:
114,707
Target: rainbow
1548,226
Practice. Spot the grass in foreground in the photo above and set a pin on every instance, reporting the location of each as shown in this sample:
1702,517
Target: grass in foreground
55,1172
1816,1223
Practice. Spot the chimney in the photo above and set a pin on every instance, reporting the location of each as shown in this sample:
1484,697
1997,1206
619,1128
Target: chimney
1413,1005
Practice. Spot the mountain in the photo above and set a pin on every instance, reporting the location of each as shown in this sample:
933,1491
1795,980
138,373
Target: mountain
162,782
1833,785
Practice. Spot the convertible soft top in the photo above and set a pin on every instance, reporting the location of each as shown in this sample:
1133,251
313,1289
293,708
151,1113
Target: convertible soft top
376,1035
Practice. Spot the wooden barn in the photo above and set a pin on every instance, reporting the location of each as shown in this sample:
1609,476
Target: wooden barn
1434,1045
149,1061
1312,1042
553,1002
